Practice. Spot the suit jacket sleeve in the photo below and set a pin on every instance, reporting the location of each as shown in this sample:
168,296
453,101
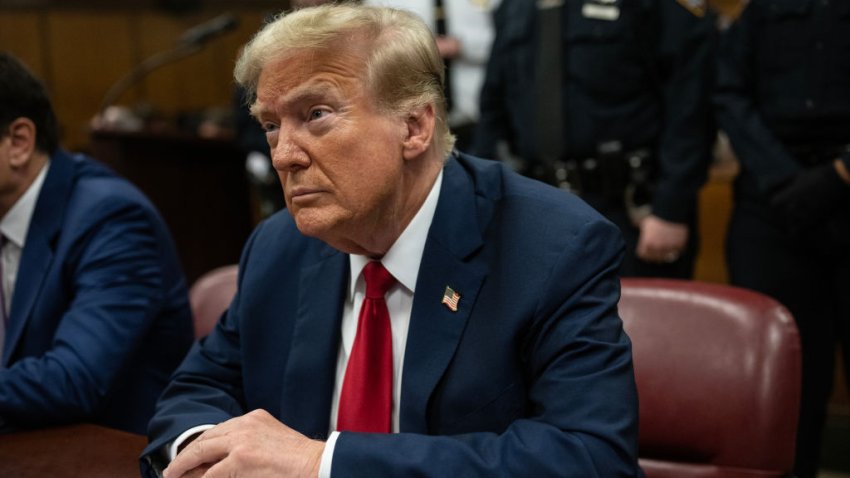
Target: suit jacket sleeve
581,419
757,148
494,120
684,65
206,389
115,275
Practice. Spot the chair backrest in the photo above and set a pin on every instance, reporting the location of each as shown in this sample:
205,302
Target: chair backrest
210,296
718,377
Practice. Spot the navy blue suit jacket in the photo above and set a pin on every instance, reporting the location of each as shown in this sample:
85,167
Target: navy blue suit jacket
532,376
100,315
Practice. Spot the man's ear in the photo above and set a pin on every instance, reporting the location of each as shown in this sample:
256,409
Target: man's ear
22,135
420,131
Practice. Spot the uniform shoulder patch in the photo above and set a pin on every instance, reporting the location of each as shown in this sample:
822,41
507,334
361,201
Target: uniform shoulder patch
696,7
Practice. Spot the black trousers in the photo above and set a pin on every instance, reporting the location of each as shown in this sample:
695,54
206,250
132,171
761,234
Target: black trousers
810,274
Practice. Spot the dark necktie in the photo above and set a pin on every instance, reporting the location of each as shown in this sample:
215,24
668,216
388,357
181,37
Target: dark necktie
442,30
549,112
366,399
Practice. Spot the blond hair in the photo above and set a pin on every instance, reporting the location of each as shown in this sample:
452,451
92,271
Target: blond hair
403,69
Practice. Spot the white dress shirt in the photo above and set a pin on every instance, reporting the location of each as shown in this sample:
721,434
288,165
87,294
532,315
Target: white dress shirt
402,261
14,226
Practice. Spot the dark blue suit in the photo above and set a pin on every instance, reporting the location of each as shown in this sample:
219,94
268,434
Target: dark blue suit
100,316
532,376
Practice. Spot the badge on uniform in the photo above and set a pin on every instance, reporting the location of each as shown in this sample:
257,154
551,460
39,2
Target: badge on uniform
485,5
601,10
696,7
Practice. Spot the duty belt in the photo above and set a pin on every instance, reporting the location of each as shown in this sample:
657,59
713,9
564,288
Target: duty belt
622,177
608,175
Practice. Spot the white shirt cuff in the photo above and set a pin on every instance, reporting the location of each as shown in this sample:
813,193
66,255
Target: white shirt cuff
190,433
327,456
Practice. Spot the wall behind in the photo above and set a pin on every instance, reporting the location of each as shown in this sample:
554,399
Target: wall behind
81,50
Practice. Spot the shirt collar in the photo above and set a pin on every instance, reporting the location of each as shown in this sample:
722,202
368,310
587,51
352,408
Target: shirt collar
404,256
16,223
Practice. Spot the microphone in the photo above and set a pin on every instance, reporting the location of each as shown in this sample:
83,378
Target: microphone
200,34
190,42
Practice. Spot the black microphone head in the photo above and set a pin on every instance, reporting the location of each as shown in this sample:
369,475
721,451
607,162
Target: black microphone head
202,33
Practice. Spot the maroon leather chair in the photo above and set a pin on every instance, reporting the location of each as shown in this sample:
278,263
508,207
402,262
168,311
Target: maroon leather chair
210,296
718,376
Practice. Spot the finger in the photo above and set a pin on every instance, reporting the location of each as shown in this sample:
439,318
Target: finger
642,251
671,257
223,468
199,472
204,451
651,252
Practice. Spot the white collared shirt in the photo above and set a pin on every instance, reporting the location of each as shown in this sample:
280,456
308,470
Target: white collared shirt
14,226
402,261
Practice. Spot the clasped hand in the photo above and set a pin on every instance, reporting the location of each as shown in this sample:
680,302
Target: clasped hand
253,445
661,241
810,197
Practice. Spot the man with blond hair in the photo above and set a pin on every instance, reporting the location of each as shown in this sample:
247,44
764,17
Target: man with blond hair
414,311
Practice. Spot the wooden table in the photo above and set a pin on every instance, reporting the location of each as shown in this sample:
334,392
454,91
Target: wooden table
74,451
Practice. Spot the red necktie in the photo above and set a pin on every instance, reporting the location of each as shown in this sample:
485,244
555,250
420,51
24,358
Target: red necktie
365,403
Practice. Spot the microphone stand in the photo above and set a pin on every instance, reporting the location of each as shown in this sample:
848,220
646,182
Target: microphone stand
192,41
158,60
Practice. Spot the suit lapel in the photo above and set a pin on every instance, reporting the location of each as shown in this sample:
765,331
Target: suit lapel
435,330
309,377
38,252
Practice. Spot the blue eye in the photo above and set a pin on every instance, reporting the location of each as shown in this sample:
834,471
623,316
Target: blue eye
269,127
317,114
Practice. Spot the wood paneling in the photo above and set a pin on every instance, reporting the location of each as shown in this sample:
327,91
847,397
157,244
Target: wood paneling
715,207
88,51
20,34
81,52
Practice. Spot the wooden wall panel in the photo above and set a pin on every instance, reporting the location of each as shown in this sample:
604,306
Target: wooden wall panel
88,51
20,35
715,208
81,52
728,8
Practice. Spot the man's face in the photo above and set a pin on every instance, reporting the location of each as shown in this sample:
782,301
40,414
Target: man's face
339,159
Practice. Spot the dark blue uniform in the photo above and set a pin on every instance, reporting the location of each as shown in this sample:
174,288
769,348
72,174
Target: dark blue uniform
783,98
636,86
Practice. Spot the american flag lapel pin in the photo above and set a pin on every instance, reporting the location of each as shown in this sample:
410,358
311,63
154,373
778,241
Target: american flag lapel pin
450,298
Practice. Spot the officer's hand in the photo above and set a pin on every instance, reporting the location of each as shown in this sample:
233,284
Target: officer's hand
811,197
660,240
449,47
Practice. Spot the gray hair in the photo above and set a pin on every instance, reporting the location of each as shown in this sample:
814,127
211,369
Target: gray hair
403,69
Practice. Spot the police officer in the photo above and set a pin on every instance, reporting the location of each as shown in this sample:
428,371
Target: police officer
612,99
783,98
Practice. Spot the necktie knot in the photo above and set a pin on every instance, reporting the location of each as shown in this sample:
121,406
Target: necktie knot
378,280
